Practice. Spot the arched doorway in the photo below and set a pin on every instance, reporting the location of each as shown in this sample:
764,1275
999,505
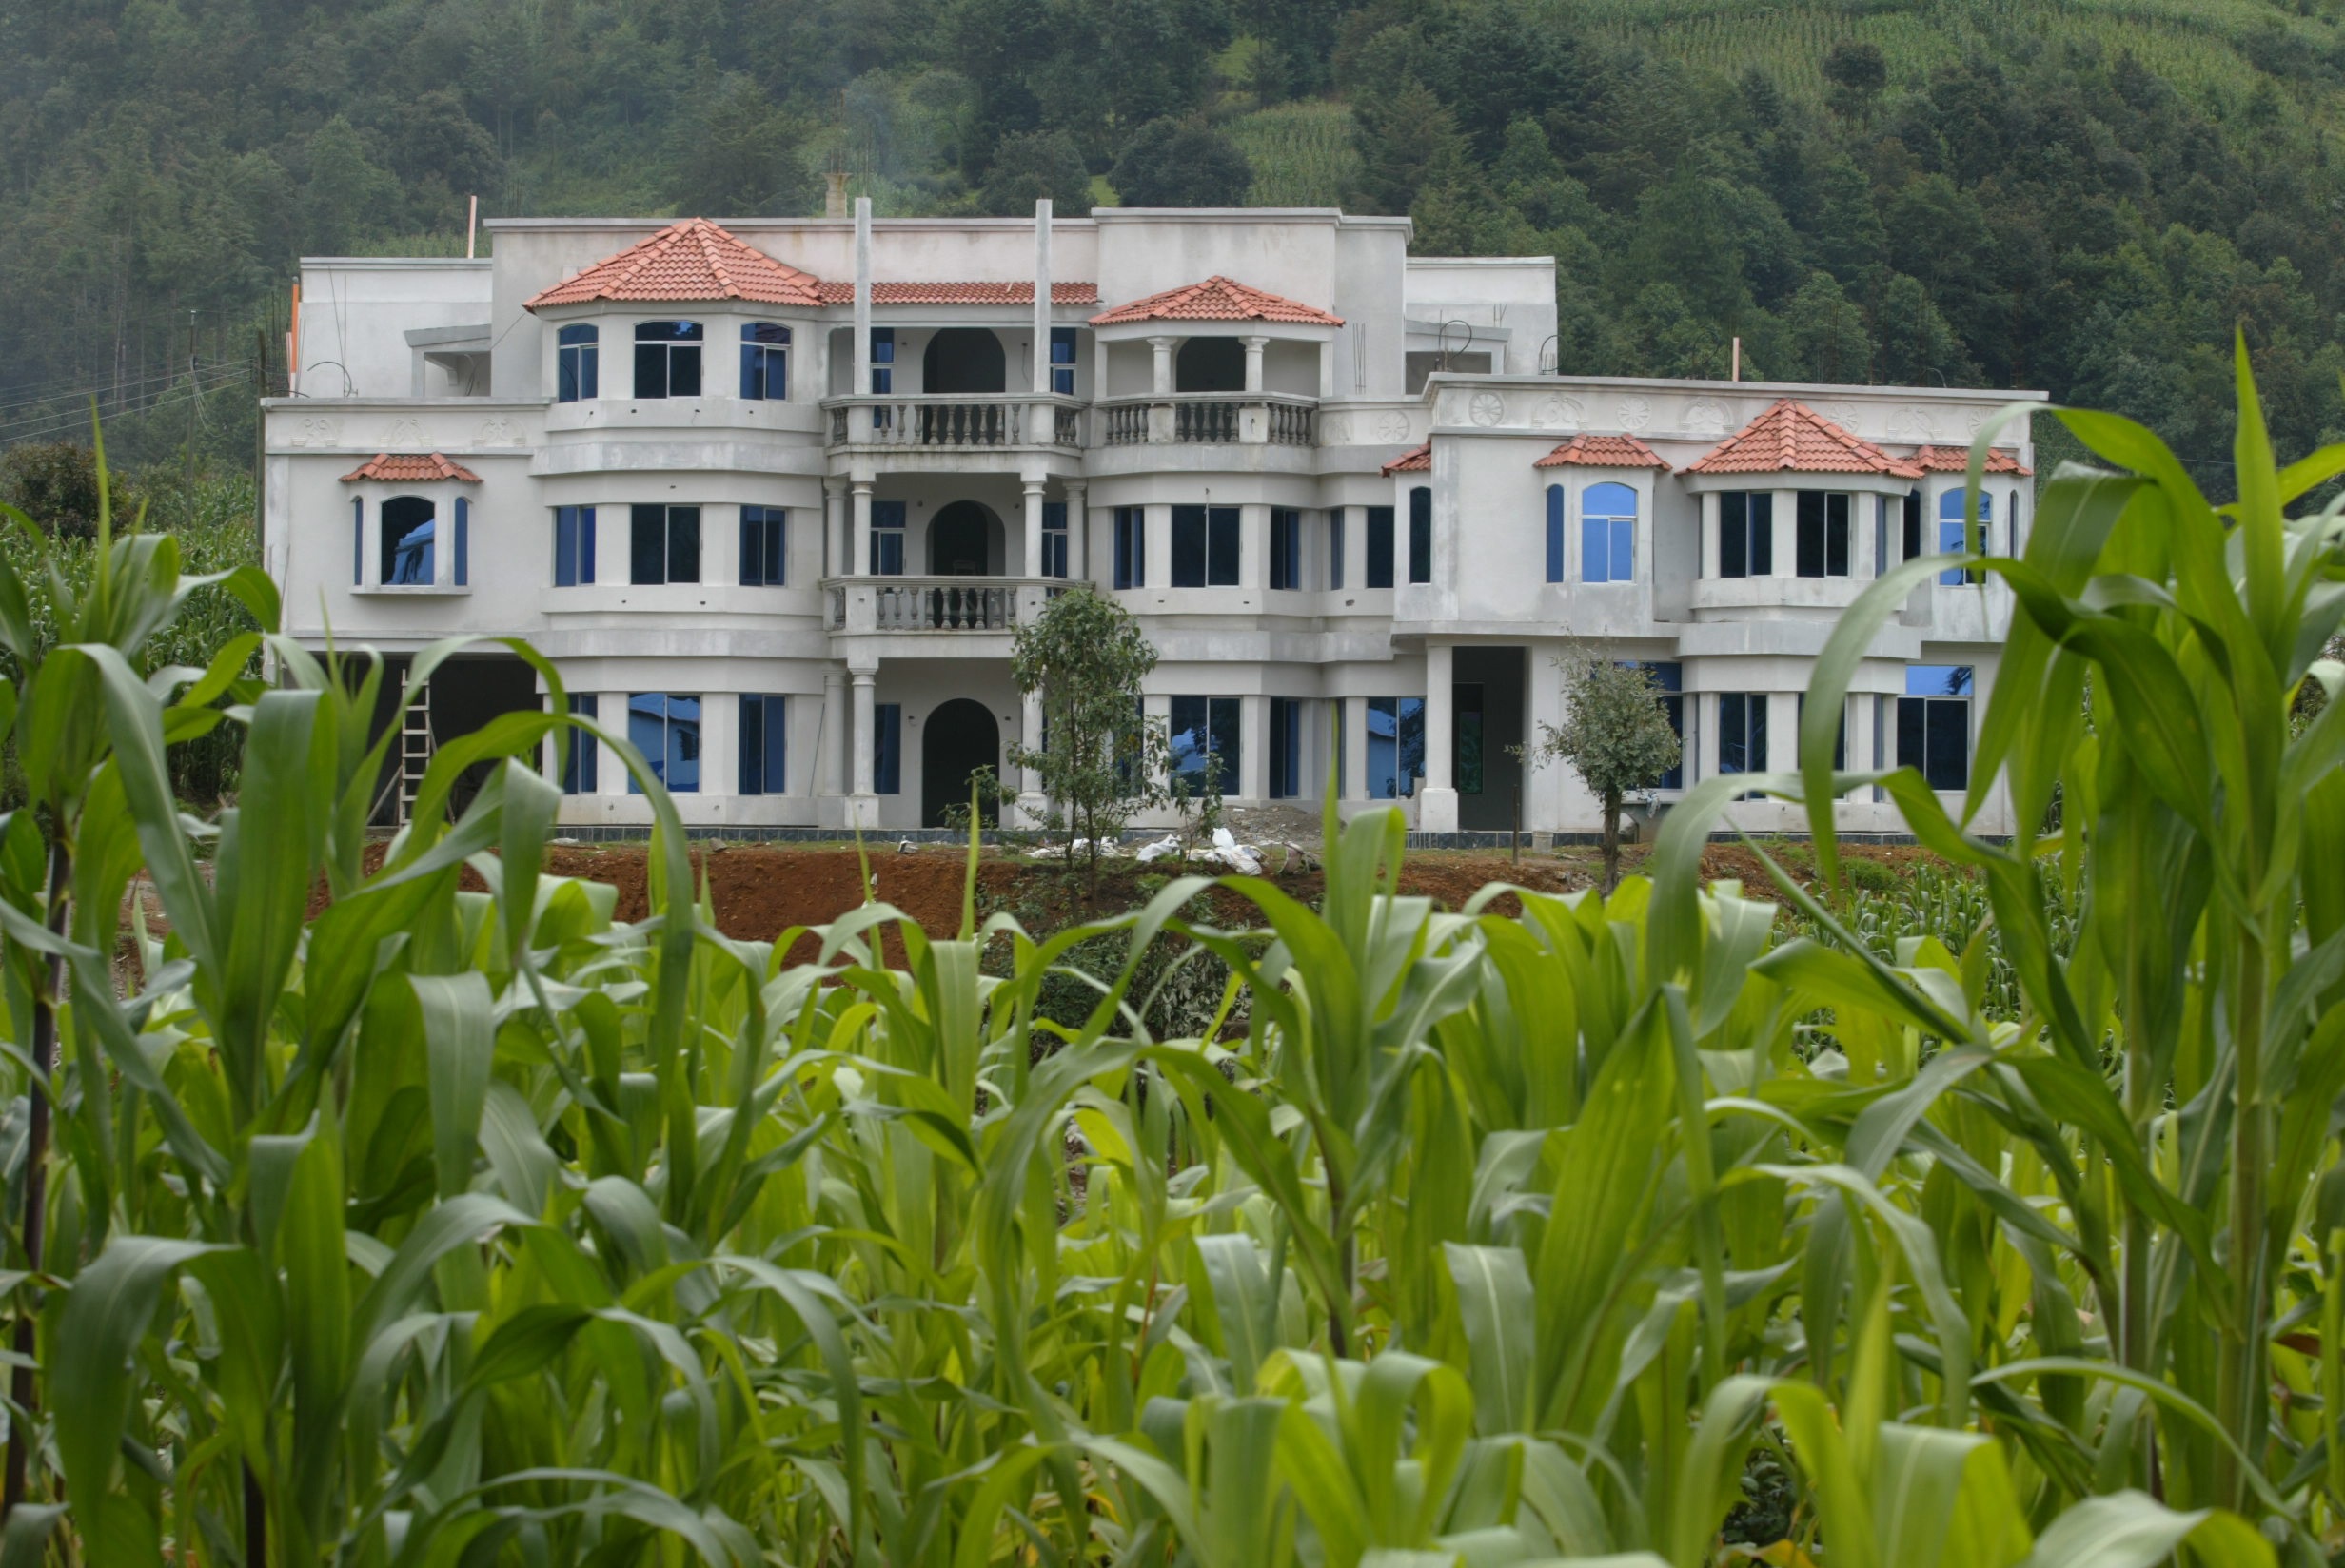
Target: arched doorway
964,540
964,358
957,739
1209,364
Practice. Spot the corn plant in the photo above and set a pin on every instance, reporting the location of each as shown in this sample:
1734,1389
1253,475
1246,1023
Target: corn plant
458,1226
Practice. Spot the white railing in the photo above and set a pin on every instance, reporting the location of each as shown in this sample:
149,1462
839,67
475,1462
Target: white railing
934,605
1211,419
963,423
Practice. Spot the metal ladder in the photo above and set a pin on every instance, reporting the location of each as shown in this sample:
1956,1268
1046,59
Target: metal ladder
415,746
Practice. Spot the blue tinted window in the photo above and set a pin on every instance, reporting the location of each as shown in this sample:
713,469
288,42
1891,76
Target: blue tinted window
764,740
1380,547
1062,361
765,546
577,374
1205,740
1671,677
358,541
1285,547
1746,534
668,359
1130,547
579,768
887,748
1395,746
1335,548
574,546
1741,732
1286,747
1054,538
1938,680
1933,724
1555,533
1420,534
1951,530
409,523
882,361
666,729
1607,534
765,361
464,542
887,539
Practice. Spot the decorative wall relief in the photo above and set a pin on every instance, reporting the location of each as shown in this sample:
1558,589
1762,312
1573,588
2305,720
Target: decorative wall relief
1633,412
1708,417
1487,409
496,432
1392,426
408,436
316,430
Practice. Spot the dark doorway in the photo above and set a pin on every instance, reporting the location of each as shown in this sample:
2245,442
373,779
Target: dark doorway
1486,723
962,541
1209,364
964,358
407,538
956,740
467,693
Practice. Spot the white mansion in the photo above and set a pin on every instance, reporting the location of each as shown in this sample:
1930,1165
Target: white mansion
773,497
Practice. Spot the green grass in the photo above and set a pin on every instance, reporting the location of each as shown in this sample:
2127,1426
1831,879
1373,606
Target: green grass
1302,154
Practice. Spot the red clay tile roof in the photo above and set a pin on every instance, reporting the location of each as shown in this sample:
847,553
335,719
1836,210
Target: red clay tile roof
1603,452
1956,460
834,291
1418,461
691,260
408,467
1791,438
1217,299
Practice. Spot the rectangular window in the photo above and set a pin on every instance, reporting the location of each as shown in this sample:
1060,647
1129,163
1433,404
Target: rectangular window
1395,746
576,372
1671,677
1880,534
1380,547
887,748
1745,534
1420,534
765,546
1912,526
407,524
1741,732
1933,724
1951,529
764,744
1205,547
574,546
1286,748
1203,735
464,542
358,541
1840,741
1062,361
1823,544
765,362
1555,533
1335,548
1466,736
663,544
1607,534
1285,547
579,768
883,362
1130,547
887,539
666,729
668,359
1054,538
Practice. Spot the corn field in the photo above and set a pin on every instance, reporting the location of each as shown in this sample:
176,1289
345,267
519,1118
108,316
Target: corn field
473,1227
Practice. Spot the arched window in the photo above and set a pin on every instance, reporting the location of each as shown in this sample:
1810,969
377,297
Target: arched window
1607,534
408,531
1555,533
1950,530
578,372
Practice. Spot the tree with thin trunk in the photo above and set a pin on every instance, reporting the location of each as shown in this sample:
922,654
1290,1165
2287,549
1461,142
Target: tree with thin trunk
1615,735
1101,762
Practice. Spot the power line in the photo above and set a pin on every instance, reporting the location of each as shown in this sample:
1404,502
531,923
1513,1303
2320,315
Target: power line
31,428
109,388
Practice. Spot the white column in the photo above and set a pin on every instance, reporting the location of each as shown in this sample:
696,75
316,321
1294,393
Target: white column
1352,712
1327,367
835,537
862,306
1162,348
1079,530
1253,361
834,739
859,549
1030,803
1437,797
1034,526
1042,296
1254,762
863,805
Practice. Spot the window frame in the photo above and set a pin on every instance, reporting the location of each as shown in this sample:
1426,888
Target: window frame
1820,534
1748,721
763,756
1055,535
883,362
677,525
581,768
1420,534
1286,754
1223,723
1131,539
578,362
574,546
1555,534
1285,548
680,739
887,748
1669,675
1380,542
765,361
390,547
889,533
766,528
1618,529
1062,366
1751,531
1953,534
1932,717
1403,784
664,365
1206,546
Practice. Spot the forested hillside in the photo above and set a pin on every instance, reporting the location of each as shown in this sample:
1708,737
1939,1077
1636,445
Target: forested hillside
2081,196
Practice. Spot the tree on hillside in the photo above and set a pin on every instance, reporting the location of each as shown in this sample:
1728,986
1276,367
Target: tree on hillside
1172,163
1615,735
1828,329
1101,762
1031,165
740,158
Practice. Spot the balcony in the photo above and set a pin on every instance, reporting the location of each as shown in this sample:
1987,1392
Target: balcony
940,606
1211,419
956,423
